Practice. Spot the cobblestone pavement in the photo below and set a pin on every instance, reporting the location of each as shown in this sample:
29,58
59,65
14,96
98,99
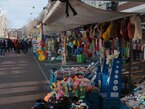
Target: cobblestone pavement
22,81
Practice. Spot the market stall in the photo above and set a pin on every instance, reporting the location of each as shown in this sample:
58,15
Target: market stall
109,36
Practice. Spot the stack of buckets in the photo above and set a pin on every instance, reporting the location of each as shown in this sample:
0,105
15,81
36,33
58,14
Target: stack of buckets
81,58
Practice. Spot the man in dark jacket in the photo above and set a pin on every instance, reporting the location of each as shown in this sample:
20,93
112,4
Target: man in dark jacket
2,48
25,46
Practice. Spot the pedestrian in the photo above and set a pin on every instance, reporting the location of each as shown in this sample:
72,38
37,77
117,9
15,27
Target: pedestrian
18,47
2,48
7,46
15,44
30,43
25,46
12,46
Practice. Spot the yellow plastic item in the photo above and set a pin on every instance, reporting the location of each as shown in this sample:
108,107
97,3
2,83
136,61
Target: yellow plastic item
106,35
75,42
78,43
41,57
84,37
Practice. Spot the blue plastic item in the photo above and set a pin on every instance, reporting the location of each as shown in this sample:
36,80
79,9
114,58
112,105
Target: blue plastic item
52,77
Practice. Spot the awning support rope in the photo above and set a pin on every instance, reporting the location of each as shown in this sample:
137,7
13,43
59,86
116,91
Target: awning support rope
68,5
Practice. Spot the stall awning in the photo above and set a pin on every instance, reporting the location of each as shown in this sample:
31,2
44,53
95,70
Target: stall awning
45,10
56,20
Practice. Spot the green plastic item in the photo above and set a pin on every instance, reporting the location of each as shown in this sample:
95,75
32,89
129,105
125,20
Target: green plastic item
78,56
81,58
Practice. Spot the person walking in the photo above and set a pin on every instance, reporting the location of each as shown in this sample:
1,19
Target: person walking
10,44
26,46
7,46
2,48
18,46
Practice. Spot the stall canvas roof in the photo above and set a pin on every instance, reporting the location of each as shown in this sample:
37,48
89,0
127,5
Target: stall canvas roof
56,20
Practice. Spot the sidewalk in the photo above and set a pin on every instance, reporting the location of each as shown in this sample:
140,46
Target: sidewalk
22,81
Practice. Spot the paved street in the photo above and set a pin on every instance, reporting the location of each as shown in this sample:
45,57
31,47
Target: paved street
22,81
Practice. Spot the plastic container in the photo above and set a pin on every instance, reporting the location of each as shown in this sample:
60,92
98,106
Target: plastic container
80,58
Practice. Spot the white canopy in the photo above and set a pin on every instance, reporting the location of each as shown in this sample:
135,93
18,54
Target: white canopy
56,20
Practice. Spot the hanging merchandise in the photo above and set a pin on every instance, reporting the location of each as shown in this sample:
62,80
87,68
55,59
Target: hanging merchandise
84,38
100,44
131,30
88,35
117,29
124,30
91,49
107,33
97,44
92,31
39,48
138,30
112,33
35,47
100,33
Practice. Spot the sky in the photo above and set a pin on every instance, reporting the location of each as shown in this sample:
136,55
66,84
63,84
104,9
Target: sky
20,12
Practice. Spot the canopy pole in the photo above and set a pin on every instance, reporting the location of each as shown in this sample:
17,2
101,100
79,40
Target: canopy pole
130,64
64,48
42,29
